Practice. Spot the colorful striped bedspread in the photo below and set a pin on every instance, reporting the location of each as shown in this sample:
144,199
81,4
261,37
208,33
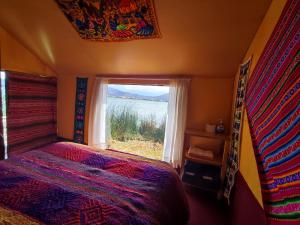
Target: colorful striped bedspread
67,183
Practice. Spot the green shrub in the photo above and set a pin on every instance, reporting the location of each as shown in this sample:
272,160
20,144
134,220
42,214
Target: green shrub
125,125
147,128
159,135
149,131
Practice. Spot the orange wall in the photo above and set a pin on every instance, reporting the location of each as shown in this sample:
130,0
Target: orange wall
66,105
209,100
15,57
248,166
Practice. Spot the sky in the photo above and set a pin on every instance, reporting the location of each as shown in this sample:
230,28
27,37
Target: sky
142,89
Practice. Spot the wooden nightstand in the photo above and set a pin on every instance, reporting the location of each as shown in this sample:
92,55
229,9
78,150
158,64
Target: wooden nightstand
203,172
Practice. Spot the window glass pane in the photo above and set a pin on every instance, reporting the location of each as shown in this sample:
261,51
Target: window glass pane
136,118
4,122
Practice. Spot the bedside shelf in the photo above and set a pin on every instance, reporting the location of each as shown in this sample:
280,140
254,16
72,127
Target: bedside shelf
200,133
215,162
202,176
203,172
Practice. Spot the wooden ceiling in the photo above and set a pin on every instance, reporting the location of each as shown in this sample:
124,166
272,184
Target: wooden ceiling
199,37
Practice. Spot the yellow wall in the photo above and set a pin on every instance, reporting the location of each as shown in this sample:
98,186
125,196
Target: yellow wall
209,100
15,57
248,166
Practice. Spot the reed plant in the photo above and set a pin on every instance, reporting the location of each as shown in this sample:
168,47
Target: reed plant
125,124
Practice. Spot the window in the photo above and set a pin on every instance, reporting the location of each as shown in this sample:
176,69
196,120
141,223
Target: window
3,107
104,117
136,118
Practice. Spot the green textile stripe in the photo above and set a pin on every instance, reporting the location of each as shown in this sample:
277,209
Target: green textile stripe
287,73
293,215
284,202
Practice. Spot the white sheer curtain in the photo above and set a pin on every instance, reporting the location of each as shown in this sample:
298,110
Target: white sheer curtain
176,121
97,117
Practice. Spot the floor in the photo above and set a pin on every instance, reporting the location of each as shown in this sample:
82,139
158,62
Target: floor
205,209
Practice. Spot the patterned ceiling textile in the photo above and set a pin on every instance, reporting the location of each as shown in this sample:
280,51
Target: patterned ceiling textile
112,20
80,103
31,111
272,103
234,152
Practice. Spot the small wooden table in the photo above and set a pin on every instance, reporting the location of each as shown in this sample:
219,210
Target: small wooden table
203,172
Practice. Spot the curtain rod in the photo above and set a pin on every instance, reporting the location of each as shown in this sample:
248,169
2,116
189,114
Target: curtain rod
29,73
161,78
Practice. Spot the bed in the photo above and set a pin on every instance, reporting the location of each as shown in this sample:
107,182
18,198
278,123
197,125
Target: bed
68,183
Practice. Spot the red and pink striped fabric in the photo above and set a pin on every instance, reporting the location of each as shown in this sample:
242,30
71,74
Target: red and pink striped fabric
31,111
272,103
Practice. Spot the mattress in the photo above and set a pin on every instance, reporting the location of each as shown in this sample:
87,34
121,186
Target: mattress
67,183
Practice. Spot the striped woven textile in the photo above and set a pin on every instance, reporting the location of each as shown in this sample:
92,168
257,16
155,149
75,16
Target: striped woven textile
31,111
272,104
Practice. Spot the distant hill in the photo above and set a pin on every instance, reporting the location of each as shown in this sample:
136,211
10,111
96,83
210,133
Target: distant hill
112,92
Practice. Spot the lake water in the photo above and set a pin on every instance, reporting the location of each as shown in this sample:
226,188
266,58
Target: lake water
143,108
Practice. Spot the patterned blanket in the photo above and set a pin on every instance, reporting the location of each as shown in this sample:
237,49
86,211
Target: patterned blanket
67,183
